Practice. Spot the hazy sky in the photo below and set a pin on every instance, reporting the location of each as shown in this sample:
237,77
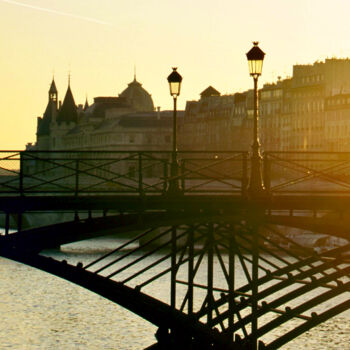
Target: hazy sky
100,41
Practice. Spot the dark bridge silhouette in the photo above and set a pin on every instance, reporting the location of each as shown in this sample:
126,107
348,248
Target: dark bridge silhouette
233,272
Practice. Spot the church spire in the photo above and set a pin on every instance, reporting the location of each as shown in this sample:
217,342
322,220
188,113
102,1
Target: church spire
68,112
53,92
53,86
86,106
43,128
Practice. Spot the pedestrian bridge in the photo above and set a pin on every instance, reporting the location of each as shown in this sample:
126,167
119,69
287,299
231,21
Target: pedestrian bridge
211,223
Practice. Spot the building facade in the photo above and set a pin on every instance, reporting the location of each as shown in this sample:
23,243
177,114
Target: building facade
337,122
309,111
296,112
125,122
217,122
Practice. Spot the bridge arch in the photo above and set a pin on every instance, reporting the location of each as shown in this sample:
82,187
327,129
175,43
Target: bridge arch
308,271
155,311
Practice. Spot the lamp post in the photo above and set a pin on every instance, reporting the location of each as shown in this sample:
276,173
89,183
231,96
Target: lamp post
256,187
255,61
174,80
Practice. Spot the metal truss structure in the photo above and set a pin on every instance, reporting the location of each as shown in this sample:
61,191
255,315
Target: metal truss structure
234,279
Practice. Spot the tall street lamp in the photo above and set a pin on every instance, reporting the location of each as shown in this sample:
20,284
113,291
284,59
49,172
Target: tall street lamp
256,186
174,80
255,61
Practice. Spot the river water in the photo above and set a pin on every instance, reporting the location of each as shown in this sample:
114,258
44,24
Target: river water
40,311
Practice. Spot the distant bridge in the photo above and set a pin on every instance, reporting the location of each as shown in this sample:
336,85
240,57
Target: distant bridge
211,222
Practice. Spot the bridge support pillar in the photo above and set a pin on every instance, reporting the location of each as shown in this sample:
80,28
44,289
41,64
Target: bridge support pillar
19,222
7,223
173,268
231,281
255,277
190,270
210,273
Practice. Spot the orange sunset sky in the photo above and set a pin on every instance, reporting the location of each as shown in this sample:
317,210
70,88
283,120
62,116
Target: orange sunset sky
100,41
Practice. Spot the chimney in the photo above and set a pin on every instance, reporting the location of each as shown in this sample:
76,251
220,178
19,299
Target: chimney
158,113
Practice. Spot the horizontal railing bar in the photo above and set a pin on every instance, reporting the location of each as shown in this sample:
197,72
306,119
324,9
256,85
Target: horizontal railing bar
275,161
310,191
304,152
169,151
130,158
120,151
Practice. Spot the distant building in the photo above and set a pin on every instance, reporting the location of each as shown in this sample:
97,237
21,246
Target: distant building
309,111
274,111
337,122
293,111
216,122
293,115
126,122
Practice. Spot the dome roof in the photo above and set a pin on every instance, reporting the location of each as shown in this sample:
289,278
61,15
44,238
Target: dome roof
138,97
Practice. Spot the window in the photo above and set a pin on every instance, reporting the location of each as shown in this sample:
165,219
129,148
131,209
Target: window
132,138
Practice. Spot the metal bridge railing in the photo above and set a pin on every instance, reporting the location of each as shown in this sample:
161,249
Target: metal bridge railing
307,173
120,172
148,172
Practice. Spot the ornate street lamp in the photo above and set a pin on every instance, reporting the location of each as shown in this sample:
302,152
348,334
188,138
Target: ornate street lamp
256,186
174,80
255,61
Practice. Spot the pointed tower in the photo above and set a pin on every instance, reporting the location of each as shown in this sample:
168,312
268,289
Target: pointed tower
68,112
86,106
43,127
53,93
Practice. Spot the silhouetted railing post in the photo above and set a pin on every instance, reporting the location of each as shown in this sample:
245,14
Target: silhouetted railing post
165,176
21,172
190,270
182,175
267,172
244,174
173,269
76,189
7,223
140,174
210,273
19,221
231,281
174,185
255,277
21,190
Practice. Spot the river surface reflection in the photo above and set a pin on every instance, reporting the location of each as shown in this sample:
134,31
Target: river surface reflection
40,311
